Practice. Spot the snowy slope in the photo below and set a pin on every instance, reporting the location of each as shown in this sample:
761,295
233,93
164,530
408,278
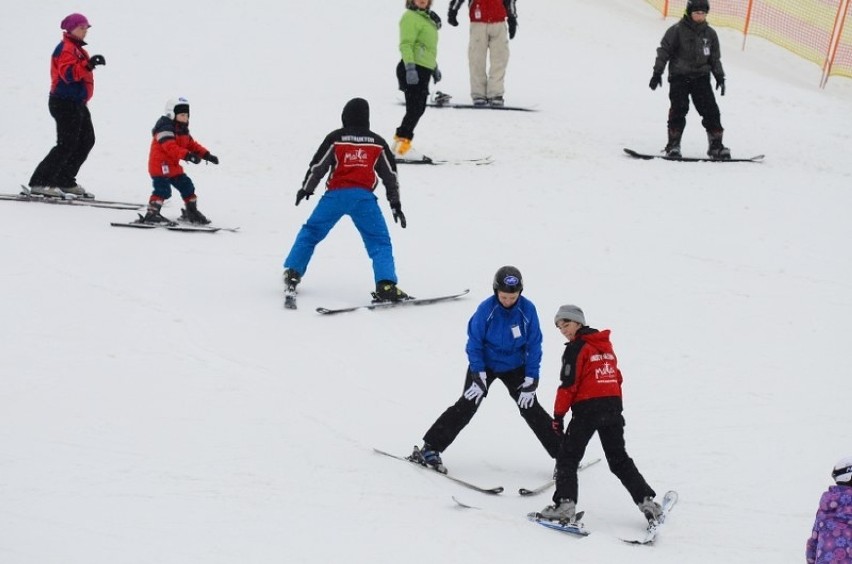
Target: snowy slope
159,405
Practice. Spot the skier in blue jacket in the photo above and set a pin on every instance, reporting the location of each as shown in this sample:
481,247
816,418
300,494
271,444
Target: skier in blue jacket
503,343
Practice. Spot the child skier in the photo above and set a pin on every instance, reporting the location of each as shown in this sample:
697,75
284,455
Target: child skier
831,539
172,142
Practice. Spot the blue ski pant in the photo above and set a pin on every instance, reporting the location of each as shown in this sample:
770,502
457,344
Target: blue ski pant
362,206
163,186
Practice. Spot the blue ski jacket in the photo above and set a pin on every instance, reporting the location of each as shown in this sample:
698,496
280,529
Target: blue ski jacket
501,339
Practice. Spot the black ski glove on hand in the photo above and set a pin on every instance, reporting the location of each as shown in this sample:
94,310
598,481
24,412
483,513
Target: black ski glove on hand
211,158
656,80
96,60
513,27
303,195
398,216
527,397
192,158
436,75
720,85
452,18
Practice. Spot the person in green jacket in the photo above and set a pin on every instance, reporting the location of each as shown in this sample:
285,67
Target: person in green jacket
418,45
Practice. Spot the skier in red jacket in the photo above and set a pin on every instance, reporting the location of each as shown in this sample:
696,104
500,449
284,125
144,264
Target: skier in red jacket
591,388
171,143
72,83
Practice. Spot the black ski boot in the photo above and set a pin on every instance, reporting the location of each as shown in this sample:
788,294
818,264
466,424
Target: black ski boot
153,216
673,146
387,291
192,215
715,149
291,279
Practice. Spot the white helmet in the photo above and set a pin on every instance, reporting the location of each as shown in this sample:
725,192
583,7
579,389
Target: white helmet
177,106
842,472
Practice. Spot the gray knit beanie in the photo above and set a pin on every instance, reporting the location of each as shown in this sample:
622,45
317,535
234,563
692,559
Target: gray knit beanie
570,313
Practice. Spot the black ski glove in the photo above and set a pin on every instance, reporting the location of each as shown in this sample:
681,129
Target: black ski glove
513,26
211,158
398,216
452,18
192,158
558,425
303,194
95,60
720,85
436,75
656,80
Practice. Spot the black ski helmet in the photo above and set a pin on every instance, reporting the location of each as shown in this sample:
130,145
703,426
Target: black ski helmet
697,6
508,279
842,472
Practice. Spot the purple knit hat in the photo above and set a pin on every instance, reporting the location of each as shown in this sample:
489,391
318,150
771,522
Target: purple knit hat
73,21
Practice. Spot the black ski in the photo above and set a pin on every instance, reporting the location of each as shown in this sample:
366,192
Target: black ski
485,107
26,196
387,305
647,157
443,100
535,491
479,161
493,491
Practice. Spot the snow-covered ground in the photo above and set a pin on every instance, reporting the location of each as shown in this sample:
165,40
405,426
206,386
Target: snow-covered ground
159,405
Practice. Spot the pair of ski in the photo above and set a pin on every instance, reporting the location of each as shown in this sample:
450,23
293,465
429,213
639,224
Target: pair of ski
290,302
472,486
578,529
430,161
25,195
173,226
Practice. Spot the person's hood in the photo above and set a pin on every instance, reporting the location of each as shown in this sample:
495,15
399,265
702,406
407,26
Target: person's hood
356,113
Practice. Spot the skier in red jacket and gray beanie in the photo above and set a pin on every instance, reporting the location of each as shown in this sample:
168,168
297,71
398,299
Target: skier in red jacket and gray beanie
591,388
72,84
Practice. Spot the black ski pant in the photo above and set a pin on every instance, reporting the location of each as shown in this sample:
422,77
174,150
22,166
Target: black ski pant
416,96
610,428
75,137
444,431
681,88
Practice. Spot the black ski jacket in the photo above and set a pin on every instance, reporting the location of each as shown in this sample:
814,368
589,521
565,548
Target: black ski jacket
691,50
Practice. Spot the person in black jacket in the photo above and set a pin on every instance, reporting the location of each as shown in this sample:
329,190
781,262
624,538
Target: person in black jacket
691,50
356,158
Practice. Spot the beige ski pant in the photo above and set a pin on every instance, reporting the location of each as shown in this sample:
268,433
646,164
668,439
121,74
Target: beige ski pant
488,39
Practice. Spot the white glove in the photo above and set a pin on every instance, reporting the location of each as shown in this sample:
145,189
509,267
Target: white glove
527,397
477,388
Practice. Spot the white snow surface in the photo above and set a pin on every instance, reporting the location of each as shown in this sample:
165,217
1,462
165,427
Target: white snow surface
159,405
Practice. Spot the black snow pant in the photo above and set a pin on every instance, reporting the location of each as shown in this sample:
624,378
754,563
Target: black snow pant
444,431
75,137
610,428
416,97
699,87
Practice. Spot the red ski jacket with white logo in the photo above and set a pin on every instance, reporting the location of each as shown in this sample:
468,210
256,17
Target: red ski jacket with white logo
357,158
589,371
487,11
